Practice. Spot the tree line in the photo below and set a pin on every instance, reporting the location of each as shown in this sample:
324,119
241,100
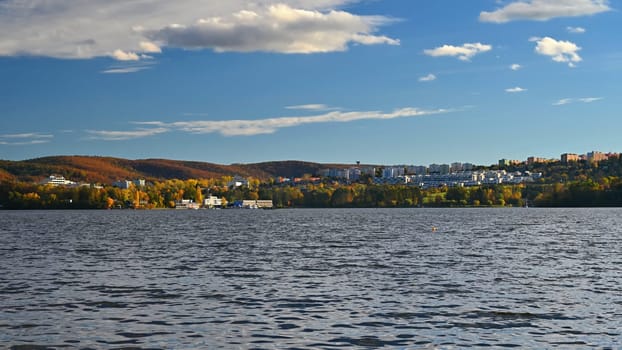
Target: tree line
165,194
578,184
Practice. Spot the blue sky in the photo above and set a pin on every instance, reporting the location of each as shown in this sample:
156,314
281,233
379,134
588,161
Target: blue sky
382,82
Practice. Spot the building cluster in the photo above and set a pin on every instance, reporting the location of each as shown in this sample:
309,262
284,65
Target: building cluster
350,174
126,184
213,202
461,179
566,158
434,175
402,174
390,172
59,180
591,157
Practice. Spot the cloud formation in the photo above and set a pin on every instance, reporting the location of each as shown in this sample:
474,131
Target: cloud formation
565,101
108,135
24,139
515,89
559,51
311,107
278,28
464,52
121,55
124,70
128,30
543,10
271,125
427,78
515,66
256,126
128,67
150,47
576,30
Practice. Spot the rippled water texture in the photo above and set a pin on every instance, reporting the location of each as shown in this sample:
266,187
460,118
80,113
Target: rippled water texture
367,278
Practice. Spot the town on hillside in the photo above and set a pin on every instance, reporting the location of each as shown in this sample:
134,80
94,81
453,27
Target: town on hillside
582,179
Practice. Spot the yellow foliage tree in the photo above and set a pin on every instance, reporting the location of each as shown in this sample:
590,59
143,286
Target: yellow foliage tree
109,203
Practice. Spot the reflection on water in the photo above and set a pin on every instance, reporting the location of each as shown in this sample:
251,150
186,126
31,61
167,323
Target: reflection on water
369,278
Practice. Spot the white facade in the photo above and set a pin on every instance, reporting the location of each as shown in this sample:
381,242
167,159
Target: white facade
238,182
472,178
57,180
392,172
212,202
257,203
350,174
123,184
186,204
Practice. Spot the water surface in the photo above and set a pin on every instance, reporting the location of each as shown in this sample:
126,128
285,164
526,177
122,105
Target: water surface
316,279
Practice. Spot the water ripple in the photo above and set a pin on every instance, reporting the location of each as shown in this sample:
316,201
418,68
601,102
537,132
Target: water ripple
308,279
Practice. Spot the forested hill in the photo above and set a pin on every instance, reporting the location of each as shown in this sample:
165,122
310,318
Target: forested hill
108,169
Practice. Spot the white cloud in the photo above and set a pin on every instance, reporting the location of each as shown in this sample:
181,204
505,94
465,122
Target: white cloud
542,10
124,135
23,143
150,47
429,77
25,139
516,66
256,126
128,67
26,136
126,30
590,99
121,55
565,101
271,125
311,107
559,51
464,52
278,28
124,70
576,30
515,89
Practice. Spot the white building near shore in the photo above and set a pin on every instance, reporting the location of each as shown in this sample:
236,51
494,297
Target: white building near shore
212,202
186,204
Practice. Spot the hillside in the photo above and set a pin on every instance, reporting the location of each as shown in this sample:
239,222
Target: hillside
109,169
5,176
290,168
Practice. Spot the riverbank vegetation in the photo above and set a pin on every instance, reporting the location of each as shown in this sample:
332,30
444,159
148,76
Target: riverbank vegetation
323,195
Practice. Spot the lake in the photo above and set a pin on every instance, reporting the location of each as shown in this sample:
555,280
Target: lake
314,279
